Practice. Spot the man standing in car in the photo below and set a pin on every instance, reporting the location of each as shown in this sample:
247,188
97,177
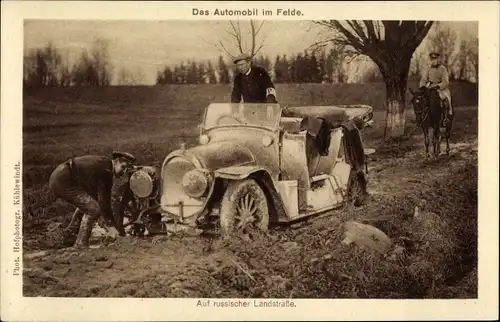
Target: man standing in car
252,83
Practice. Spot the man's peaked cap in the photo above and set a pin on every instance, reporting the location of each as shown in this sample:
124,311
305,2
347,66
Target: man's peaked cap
243,56
124,156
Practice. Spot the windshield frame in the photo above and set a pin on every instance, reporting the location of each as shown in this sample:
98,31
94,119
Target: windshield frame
273,127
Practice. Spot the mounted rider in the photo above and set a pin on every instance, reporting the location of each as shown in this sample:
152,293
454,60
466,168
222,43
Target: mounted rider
436,76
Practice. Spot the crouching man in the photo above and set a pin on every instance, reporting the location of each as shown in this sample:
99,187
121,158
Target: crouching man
86,182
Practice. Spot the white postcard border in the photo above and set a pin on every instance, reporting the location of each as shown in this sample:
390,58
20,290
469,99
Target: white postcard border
16,307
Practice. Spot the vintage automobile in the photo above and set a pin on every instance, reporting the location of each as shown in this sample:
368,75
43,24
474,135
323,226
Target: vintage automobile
258,165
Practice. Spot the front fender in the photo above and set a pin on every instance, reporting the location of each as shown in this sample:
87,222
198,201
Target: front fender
237,172
277,209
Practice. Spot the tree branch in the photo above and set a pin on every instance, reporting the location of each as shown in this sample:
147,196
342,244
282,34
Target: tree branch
239,28
252,26
321,44
423,28
359,31
370,29
350,57
260,27
353,40
391,32
237,35
223,49
259,48
263,40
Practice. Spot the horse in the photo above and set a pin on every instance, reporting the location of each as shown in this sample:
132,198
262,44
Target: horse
429,114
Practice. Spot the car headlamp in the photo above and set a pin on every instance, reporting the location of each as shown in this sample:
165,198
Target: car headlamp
204,139
141,184
195,183
267,141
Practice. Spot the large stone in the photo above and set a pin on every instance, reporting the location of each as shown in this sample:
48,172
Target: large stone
35,255
159,239
366,236
180,229
99,231
289,246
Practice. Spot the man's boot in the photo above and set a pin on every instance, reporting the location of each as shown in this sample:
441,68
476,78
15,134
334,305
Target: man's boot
75,222
82,241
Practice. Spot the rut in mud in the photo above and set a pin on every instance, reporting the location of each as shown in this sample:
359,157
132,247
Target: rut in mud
434,254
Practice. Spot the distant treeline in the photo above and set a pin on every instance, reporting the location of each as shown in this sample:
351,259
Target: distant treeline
307,67
50,66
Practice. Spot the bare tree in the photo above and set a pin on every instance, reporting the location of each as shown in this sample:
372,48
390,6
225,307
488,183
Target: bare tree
94,69
390,44
467,60
83,72
212,79
463,61
102,61
473,55
416,66
43,67
64,71
239,38
129,77
223,71
30,78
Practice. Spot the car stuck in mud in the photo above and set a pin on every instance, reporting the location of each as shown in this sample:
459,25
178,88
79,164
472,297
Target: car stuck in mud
257,165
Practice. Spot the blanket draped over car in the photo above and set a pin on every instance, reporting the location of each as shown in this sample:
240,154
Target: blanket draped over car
355,153
320,129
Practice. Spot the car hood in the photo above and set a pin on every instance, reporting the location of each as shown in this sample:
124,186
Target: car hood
218,155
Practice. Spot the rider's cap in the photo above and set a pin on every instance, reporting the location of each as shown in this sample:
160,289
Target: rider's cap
434,55
243,56
124,156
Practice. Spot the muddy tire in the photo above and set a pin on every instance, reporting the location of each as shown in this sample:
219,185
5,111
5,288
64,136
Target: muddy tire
356,193
243,208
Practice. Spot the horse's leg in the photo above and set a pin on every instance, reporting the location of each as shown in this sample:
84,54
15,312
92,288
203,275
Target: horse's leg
439,138
426,141
448,134
435,141
438,144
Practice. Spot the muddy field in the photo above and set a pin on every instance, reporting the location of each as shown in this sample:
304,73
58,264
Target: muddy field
434,253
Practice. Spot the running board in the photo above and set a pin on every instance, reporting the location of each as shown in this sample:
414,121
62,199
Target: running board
310,213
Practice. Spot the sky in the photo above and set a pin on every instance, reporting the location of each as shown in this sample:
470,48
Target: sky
150,45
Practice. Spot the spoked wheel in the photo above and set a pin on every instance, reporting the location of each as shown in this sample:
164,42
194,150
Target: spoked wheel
243,209
131,214
356,193
139,230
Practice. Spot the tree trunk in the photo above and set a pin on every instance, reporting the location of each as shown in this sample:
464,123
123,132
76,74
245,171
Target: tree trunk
395,67
395,107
